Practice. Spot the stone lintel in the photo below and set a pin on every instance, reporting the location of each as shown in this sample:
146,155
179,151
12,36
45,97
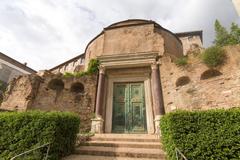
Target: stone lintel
129,60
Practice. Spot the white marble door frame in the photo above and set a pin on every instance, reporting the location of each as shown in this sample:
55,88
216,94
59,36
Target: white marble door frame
148,99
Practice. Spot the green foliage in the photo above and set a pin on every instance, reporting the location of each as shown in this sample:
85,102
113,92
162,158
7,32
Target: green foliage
223,37
213,56
234,34
204,135
92,68
68,75
182,61
22,131
80,74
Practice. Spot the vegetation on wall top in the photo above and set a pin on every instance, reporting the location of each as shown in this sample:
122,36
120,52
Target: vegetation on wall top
92,69
182,61
213,56
93,66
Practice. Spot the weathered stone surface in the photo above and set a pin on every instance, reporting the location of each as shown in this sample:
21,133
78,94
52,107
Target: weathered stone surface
122,145
139,36
32,92
21,92
219,91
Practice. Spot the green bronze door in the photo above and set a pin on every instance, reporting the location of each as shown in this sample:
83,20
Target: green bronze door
129,113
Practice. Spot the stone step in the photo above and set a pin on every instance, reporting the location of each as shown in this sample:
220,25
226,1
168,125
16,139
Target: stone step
126,137
154,145
120,152
115,135
89,157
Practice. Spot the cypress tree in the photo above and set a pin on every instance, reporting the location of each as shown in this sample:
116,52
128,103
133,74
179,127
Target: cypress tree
222,37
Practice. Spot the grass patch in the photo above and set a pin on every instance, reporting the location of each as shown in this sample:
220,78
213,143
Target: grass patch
182,61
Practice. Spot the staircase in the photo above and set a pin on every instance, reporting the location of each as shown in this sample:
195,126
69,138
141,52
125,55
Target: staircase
120,147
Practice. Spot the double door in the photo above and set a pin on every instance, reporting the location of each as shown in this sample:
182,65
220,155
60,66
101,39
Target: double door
129,112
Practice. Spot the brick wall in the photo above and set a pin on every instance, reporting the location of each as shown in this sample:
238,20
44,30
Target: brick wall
51,92
200,91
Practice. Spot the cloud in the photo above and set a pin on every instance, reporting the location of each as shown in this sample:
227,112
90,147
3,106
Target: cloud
45,33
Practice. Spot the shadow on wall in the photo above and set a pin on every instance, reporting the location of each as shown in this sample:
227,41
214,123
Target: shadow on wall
210,74
57,85
182,81
3,87
77,88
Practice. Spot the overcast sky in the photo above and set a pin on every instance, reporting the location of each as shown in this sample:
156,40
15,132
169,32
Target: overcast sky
45,33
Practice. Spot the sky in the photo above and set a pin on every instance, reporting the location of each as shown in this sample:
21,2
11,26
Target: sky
45,33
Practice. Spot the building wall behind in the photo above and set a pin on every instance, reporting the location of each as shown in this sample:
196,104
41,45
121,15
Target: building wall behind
72,66
190,42
7,73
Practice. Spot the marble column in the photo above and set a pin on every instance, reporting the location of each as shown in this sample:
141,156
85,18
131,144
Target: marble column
157,96
97,122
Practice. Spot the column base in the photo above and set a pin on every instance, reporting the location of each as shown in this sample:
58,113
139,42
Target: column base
97,125
157,124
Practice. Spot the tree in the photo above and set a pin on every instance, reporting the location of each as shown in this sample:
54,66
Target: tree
234,34
222,37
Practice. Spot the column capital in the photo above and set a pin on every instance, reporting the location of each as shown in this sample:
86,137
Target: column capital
101,69
154,65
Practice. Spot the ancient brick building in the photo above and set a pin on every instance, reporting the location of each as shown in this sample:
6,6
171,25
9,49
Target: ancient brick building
137,82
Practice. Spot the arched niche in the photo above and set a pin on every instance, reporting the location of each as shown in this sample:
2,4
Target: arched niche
77,87
181,81
210,73
56,84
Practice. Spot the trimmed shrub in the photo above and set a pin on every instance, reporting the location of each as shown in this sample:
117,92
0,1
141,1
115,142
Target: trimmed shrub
22,131
213,56
182,61
203,135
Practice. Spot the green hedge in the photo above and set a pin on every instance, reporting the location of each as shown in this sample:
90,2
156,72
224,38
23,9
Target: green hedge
22,131
202,135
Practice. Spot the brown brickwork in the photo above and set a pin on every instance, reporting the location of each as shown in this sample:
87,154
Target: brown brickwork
218,90
33,92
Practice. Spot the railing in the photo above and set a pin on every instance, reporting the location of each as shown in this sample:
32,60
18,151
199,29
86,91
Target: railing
29,151
180,155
